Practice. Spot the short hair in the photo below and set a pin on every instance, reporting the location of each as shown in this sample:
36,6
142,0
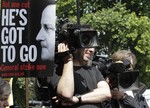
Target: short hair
124,54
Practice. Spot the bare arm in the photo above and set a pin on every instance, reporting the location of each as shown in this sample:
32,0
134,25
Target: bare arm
101,93
65,87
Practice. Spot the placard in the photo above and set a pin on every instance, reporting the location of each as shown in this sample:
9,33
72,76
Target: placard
27,41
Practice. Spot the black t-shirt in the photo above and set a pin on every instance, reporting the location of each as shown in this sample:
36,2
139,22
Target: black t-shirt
85,78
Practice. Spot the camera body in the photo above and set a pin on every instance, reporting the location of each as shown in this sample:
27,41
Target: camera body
78,36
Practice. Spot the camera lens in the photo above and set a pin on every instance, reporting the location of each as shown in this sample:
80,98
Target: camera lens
86,40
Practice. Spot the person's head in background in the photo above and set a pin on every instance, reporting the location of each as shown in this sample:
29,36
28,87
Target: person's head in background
46,35
122,55
5,91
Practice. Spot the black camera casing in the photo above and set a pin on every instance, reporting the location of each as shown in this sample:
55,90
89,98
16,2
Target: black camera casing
78,36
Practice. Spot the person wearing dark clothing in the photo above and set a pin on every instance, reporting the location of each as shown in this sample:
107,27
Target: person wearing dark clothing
77,85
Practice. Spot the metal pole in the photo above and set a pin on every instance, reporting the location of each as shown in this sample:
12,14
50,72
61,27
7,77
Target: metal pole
78,12
27,92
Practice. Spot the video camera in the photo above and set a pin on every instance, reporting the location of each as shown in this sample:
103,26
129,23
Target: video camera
119,74
77,36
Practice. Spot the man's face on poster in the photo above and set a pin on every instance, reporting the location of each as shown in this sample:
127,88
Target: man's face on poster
46,35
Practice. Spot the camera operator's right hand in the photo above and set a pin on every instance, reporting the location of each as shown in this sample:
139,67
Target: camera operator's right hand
64,50
62,47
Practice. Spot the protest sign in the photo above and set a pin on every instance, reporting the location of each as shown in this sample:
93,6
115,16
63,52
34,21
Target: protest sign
24,44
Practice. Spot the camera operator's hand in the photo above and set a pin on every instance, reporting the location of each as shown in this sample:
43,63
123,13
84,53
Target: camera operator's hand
116,94
62,47
64,50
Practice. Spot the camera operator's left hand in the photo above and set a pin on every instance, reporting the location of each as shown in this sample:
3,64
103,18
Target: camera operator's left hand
63,102
116,94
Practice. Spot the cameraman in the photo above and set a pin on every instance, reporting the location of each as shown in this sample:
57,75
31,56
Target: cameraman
120,98
78,85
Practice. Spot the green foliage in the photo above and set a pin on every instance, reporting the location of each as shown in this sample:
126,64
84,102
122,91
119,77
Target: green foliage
110,23
19,91
66,8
